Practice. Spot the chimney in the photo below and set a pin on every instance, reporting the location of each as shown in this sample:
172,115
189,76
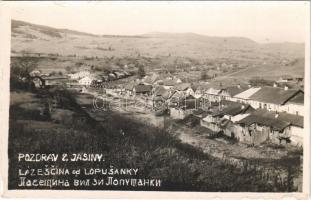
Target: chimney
285,87
275,85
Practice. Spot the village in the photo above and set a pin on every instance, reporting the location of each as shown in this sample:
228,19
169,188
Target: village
249,114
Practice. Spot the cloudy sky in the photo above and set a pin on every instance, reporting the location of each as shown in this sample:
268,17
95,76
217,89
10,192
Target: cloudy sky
260,21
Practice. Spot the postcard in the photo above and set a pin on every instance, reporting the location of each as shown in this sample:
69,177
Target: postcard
163,99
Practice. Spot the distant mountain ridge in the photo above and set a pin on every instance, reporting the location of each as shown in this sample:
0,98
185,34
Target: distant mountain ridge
44,39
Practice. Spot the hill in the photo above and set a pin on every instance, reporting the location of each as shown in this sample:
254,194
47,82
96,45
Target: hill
43,39
158,49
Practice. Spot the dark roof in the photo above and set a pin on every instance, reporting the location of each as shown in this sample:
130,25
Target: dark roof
234,90
143,88
297,99
201,113
274,95
275,124
234,110
267,118
295,120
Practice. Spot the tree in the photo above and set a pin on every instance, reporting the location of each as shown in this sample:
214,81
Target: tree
141,71
21,67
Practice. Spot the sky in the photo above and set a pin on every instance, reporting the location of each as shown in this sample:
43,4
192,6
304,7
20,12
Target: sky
261,21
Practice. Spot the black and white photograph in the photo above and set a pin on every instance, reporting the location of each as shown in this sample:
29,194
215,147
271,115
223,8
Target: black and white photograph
158,96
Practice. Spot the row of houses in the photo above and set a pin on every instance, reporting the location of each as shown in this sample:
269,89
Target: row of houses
241,121
249,114
86,78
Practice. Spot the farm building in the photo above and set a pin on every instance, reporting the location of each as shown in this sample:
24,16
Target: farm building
295,105
256,128
275,98
243,97
262,125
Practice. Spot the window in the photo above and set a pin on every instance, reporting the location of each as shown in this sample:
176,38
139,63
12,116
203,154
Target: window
297,113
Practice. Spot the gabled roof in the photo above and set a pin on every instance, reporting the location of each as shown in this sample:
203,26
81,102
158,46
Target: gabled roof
276,121
295,120
297,99
234,110
275,124
247,93
274,95
234,90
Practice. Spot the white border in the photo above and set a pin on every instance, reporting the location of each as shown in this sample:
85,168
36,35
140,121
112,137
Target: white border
4,112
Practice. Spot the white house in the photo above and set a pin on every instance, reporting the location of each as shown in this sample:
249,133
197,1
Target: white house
79,75
86,80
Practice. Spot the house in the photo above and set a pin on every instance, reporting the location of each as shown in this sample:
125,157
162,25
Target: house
142,89
213,94
285,78
295,105
211,122
90,79
295,132
86,80
229,92
184,88
79,75
263,125
255,129
243,97
275,98
221,116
